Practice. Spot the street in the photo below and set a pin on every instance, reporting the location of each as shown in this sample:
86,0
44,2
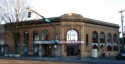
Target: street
83,61
107,61
10,61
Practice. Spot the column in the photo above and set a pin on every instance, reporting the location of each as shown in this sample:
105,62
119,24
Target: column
105,41
40,45
64,51
112,42
99,49
40,50
21,43
30,44
62,38
82,40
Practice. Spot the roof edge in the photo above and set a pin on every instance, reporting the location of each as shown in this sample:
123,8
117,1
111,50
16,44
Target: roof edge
103,23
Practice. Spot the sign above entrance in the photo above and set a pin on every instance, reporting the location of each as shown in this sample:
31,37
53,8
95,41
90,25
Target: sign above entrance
58,42
71,42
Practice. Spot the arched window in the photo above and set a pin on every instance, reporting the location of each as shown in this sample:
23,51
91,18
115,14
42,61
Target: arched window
45,35
102,37
115,38
26,41
72,35
95,37
35,47
72,48
109,40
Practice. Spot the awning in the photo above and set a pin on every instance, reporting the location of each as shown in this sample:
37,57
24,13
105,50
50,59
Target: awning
44,42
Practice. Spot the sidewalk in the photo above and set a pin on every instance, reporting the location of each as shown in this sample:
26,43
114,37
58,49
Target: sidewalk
58,59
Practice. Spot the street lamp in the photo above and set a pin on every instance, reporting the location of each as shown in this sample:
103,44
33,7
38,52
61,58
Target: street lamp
122,28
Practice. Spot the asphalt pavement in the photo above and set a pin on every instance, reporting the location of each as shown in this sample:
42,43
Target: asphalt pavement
68,59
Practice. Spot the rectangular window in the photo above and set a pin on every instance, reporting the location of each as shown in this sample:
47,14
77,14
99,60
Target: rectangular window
87,40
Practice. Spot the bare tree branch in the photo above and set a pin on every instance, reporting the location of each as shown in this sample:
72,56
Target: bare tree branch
12,12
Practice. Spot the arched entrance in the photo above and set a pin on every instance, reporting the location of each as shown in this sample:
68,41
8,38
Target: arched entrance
72,36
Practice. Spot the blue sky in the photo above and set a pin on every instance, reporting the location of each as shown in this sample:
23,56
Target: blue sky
104,10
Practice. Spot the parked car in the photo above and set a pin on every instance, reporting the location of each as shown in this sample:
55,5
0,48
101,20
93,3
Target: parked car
121,55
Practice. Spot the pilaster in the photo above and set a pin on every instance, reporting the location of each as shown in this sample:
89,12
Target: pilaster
21,43
64,51
30,44
40,50
82,40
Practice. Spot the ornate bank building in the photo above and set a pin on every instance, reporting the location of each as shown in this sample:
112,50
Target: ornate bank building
63,36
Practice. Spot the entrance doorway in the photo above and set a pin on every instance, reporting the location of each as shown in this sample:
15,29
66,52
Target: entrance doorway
72,50
48,49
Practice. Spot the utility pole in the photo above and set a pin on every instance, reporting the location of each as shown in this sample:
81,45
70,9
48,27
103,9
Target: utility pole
122,29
